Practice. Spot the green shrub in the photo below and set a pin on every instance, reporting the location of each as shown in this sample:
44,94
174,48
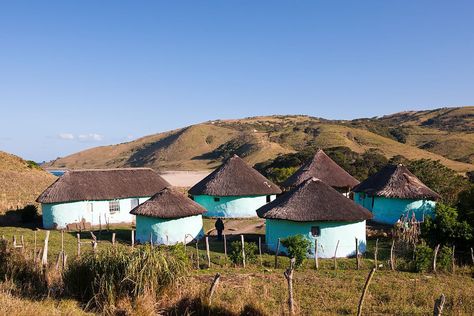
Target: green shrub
29,214
444,259
423,257
235,254
297,247
114,273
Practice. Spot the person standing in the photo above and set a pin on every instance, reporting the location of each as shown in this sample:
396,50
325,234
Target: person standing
219,227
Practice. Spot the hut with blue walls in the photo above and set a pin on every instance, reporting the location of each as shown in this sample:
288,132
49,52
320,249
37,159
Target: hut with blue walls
318,212
325,169
394,192
100,196
169,217
234,190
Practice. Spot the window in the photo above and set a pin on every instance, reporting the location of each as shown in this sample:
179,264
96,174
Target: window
315,231
134,203
269,198
114,206
216,199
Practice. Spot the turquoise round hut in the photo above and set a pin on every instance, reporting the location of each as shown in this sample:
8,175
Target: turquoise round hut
318,212
80,199
325,169
234,190
394,192
168,218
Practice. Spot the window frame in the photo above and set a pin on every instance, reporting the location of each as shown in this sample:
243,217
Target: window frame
217,199
136,200
114,206
317,231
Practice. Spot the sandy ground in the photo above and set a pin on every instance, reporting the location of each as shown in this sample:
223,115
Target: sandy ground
184,178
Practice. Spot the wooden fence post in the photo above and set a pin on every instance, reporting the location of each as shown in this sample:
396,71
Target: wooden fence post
22,240
44,260
214,286
434,257
316,260
357,253
260,249
243,249
289,278
133,237
376,253
472,255
392,259
276,253
439,305
35,259
78,244
225,247
208,253
335,256
113,239
364,291
14,241
197,253
454,260
94,242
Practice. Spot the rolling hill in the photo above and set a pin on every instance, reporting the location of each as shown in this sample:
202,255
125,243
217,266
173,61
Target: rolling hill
21,182
444,134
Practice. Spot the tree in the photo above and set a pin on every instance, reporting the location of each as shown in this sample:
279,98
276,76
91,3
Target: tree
297,247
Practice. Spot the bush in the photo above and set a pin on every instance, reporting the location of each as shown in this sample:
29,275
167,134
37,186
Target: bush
297,247
423,258
115,273
444,259
235,254
22,271
29,214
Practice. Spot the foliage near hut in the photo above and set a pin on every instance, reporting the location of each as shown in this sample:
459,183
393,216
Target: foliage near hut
297,247
235,254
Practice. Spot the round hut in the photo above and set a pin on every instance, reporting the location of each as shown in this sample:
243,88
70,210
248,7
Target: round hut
168,218
234,190
327,170
394,192
318,212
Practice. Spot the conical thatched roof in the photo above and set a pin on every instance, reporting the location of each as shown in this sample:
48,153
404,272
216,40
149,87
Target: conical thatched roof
314,200
103,184
235,178
396,181
168,203
325,169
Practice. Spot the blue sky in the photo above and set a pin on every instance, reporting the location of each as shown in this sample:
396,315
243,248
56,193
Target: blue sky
78,74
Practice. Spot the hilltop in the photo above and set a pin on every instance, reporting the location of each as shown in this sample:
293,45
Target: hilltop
21,182
444,134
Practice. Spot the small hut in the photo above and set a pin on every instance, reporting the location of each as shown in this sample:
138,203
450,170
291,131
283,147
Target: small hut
169,217
327,170
318,212
394,192
100,196
234,190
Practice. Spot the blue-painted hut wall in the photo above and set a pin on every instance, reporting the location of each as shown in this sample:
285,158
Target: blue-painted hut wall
389,210
232,206
58,215
330,233
169,231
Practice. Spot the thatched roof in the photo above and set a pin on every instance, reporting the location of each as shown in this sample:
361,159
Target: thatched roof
314,200
168,203
325,169
396,181
103,184
235,178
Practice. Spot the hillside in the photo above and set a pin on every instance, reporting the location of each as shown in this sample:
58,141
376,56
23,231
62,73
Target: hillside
444,134
20,182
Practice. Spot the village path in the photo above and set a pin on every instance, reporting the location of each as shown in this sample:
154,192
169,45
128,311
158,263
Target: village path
240,226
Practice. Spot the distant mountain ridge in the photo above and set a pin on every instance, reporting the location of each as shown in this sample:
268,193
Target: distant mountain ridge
445,134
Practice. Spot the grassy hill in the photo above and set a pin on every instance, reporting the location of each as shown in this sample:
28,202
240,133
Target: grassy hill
446,135
21,182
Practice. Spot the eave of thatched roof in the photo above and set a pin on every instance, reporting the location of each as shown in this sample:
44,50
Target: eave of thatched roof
235,178
103,184
314,200
396,181
325,169
168,203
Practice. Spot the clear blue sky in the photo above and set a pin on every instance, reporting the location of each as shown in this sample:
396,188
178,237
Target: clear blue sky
77,74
